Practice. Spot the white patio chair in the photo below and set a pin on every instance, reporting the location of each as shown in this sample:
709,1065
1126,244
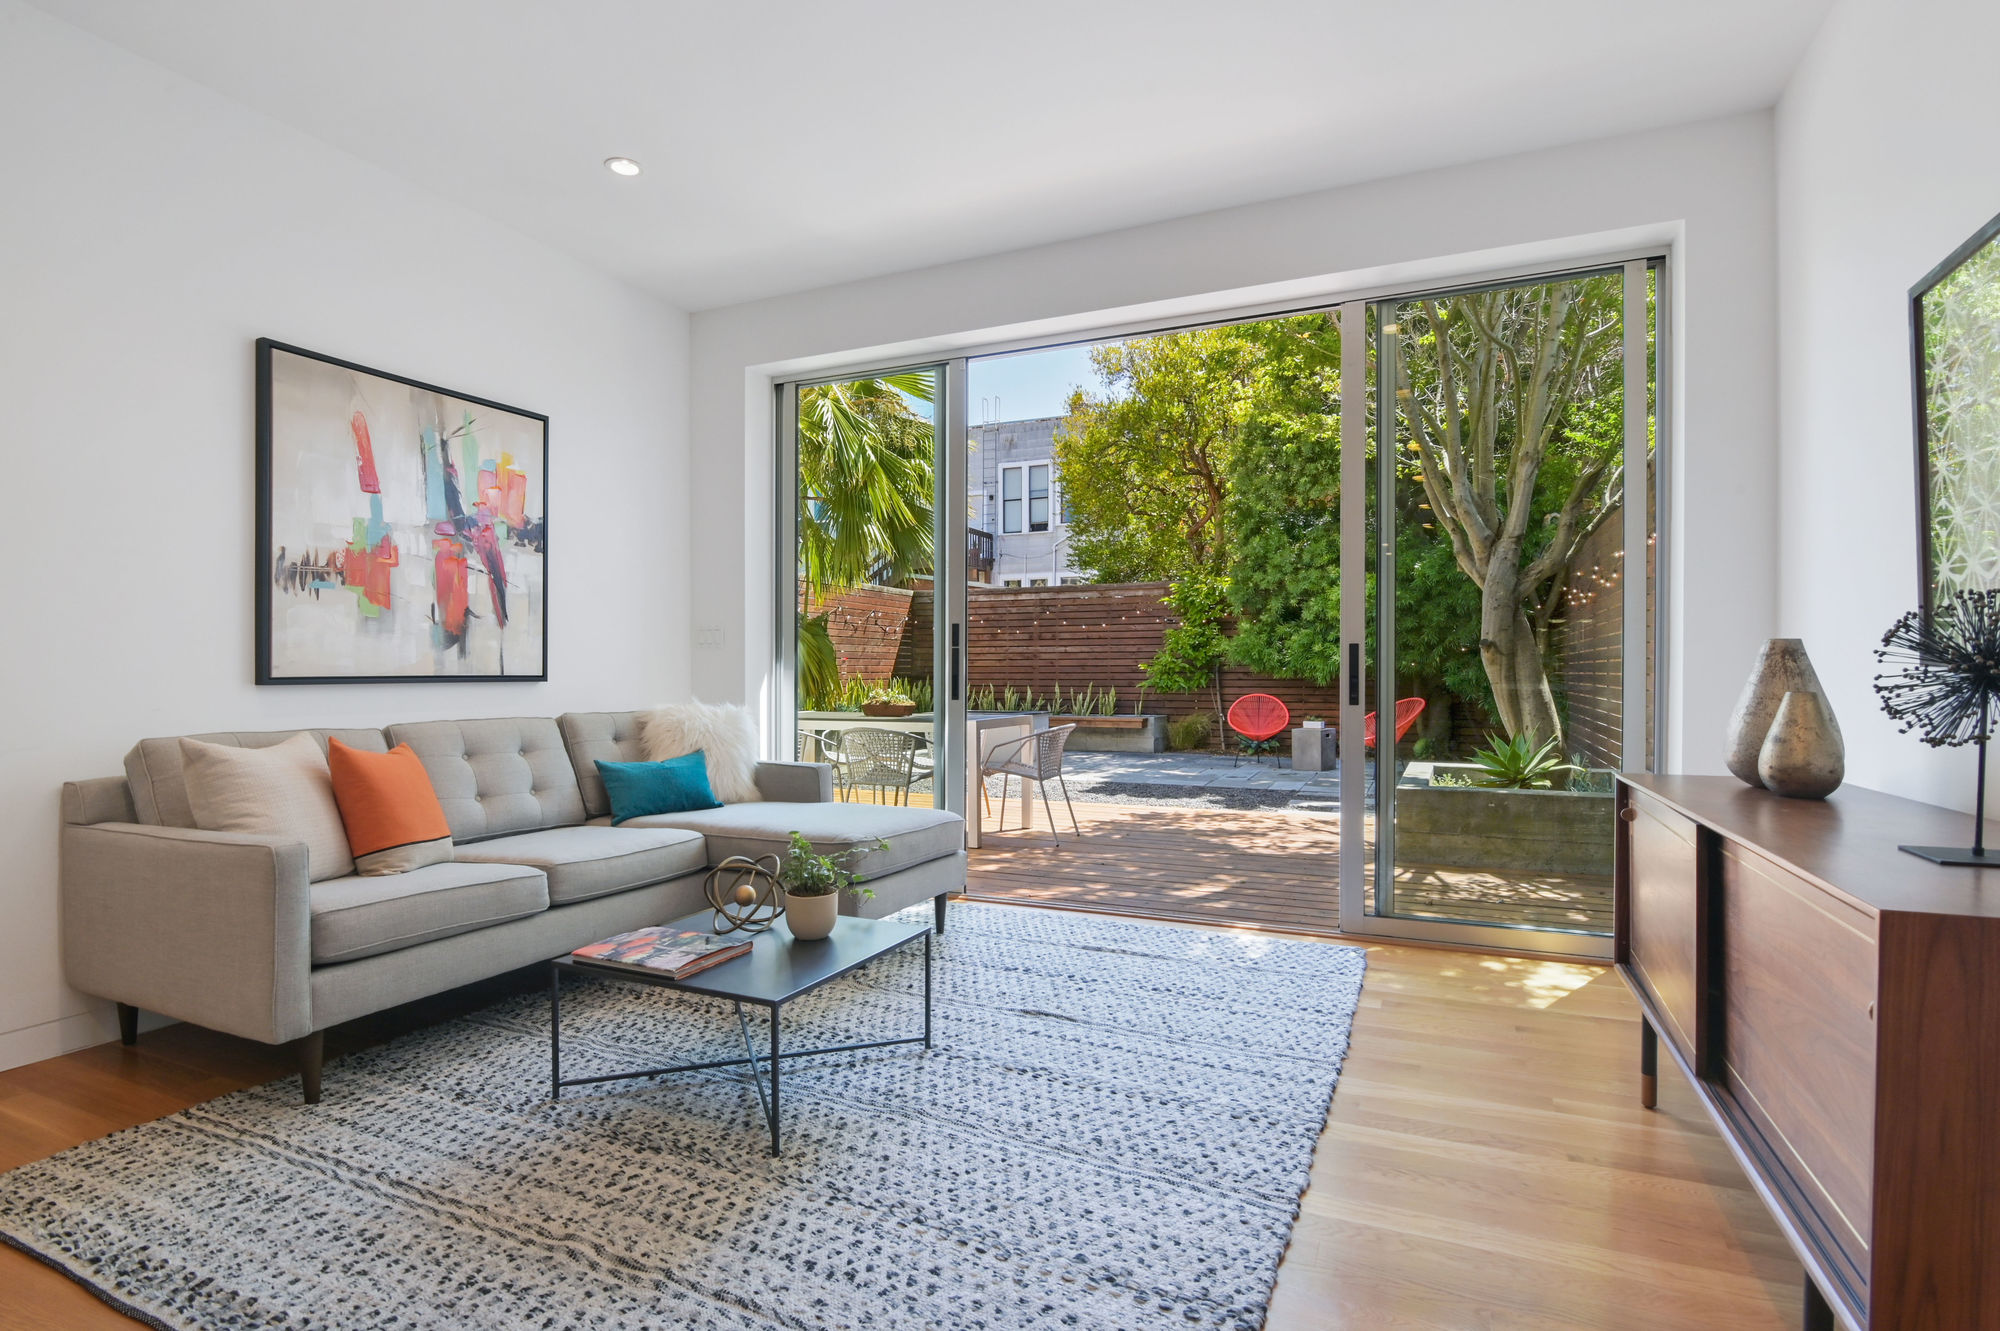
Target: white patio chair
878,759
1037,757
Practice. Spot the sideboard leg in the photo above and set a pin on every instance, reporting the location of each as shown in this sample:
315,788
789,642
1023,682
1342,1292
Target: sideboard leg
1649,1066
1819,1313
128,1024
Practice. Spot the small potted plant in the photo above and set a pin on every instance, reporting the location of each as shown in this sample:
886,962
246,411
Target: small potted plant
1315,723
886,701
812,884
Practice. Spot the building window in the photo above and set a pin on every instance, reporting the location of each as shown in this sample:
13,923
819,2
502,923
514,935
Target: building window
1038,582
1038,497
1010,582
1025,497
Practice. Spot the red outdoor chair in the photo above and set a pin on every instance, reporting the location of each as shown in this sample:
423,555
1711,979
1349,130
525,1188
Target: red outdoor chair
1407,712
1259,717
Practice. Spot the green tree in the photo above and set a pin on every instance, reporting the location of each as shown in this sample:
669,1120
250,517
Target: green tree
1145,475
1145,463
867,477
1284,504
1284,514
1511,399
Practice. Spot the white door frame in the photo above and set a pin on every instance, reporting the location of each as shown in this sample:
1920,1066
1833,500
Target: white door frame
1356,559
948,566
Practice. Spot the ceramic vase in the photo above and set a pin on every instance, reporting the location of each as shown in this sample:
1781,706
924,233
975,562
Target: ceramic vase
1782,667
1802,757
811,918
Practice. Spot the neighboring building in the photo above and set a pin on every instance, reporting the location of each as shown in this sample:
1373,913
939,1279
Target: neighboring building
1016,496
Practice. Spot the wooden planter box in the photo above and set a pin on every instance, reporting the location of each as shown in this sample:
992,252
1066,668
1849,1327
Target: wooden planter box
1146,733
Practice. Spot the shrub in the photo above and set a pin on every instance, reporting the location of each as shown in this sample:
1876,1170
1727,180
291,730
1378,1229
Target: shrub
1191,732
1520,764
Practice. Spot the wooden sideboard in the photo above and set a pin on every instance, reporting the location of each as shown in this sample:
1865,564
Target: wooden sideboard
1836,1004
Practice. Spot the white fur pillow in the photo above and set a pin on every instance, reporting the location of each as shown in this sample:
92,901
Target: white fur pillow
725,733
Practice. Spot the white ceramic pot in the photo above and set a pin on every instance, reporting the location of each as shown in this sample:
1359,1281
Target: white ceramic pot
811,917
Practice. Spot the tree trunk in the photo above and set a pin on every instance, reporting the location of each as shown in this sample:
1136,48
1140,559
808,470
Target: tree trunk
1513,661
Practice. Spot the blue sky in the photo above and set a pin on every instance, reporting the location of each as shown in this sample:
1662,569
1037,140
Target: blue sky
1028,384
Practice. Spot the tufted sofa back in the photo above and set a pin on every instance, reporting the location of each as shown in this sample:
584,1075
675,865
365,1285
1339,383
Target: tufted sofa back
497,776
611,737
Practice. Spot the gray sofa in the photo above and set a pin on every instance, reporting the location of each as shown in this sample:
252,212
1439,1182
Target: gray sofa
225,930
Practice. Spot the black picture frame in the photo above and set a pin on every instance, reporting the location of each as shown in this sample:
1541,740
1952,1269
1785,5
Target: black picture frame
1920,400
263,572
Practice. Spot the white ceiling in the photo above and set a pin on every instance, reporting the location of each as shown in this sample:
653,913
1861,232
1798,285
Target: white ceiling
789,144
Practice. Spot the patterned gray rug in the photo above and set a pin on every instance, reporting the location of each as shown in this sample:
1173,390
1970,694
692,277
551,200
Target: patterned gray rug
1113,1132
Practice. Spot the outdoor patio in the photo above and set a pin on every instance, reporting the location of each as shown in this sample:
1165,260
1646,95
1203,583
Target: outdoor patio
1191,836
1195,836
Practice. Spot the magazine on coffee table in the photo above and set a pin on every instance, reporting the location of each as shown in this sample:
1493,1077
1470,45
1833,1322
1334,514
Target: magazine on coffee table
675,953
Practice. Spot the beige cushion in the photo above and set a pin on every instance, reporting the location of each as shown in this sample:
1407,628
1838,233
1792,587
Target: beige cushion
153,767
726,734
284,790
508,774
586,862
915,836
358,917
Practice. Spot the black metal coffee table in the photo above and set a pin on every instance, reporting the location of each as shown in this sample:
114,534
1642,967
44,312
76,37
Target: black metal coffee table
779,969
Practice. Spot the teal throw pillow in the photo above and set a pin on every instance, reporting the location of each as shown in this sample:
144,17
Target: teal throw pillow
678,785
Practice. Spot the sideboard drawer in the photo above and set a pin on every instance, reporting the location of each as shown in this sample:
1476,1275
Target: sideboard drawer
1797,992
1663,861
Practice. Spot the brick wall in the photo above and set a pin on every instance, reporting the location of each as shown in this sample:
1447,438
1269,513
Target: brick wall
867,625
1045,638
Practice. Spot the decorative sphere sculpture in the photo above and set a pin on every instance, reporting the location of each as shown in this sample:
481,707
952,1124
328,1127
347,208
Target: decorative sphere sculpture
743,894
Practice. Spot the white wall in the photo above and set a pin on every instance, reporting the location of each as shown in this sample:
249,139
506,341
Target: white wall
1888,159
1706,186
149,232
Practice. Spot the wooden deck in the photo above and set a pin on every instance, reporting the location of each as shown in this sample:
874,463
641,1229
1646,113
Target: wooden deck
1267,868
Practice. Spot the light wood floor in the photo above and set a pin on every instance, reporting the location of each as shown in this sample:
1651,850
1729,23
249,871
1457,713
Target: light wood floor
1486,1166
1271,868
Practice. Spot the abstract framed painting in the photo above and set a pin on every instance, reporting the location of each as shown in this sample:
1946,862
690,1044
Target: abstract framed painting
402,529
1955,352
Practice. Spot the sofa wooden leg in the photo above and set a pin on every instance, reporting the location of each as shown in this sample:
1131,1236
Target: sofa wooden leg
938,904
312,1056
128,1024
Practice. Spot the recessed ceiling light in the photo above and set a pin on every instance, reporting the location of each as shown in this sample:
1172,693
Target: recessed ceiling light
623,166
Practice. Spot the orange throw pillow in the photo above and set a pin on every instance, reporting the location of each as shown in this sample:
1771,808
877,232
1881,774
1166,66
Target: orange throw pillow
394,821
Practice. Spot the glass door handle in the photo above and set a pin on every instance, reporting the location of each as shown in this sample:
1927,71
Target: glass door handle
1354,674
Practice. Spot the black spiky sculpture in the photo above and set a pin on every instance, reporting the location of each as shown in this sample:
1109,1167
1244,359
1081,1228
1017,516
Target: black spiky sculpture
1941,685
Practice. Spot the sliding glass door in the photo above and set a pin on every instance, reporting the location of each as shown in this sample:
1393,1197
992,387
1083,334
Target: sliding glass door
871,626
1503,568
1440,513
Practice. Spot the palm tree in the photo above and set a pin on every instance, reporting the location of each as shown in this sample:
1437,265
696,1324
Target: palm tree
867,477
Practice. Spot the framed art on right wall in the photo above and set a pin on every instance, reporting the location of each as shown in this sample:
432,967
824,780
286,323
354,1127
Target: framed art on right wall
1955,351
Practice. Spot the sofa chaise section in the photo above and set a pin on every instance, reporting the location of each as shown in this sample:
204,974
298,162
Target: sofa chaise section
925,858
